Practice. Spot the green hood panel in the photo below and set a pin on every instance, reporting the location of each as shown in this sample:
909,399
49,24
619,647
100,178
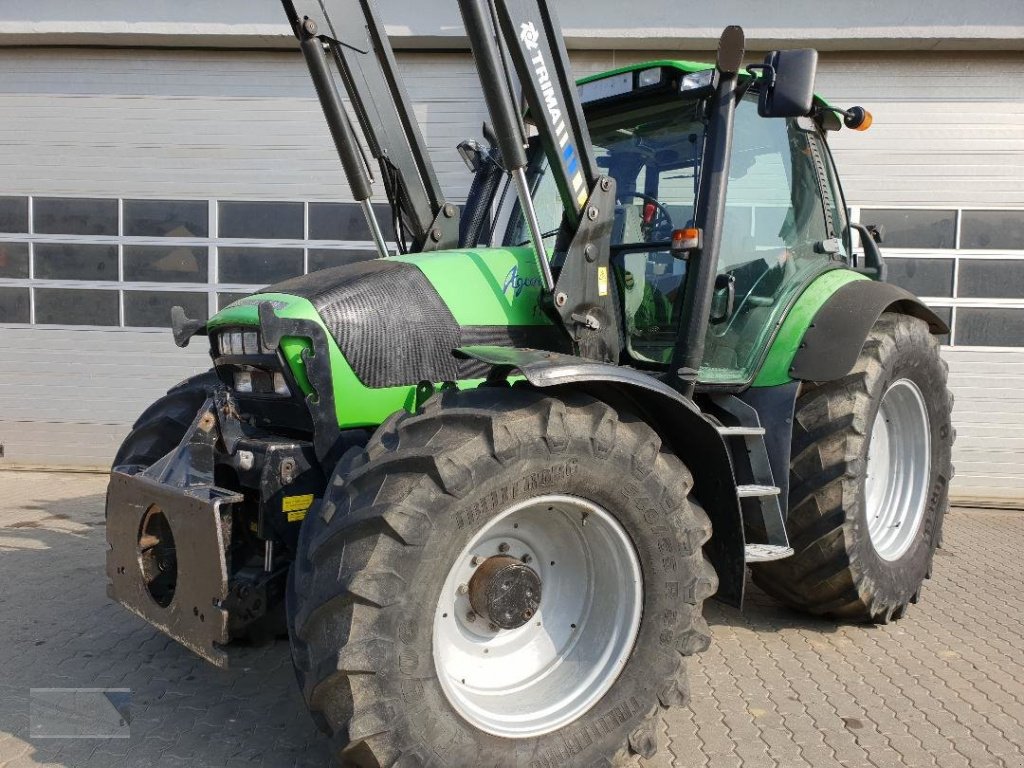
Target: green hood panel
485,286
357,405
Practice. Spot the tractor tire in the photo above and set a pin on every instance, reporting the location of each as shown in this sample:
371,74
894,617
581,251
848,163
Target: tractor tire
407,544
162,425
865,530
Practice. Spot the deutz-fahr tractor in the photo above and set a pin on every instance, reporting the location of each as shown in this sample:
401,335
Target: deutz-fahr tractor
488,481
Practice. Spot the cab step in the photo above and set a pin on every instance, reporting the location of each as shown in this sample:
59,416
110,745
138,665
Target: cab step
763,553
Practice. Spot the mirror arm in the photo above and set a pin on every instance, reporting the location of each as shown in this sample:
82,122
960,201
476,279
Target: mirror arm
767,73
874,264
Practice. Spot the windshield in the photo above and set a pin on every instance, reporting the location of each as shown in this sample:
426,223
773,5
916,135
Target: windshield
653,155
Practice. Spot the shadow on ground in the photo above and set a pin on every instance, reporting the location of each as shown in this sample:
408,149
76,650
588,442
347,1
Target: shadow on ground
62,631
775,688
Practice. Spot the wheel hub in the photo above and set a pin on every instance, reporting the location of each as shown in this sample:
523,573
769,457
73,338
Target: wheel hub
505,591
516,677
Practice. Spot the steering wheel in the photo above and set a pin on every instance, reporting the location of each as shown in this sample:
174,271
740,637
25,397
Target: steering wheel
662,218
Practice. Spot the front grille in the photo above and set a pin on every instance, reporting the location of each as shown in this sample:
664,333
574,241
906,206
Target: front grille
263,384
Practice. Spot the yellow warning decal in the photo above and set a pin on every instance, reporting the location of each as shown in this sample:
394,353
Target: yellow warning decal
297,503
602,281
297,515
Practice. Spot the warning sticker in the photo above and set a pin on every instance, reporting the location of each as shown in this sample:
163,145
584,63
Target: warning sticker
297,503
602,281
296,506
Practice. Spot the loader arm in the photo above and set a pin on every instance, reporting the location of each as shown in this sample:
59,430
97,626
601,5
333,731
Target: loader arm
354,37
537,51
583,299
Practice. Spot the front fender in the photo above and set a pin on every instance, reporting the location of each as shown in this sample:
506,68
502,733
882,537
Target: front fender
679,422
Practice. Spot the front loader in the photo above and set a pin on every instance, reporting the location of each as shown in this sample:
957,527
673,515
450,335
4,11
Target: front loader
489,480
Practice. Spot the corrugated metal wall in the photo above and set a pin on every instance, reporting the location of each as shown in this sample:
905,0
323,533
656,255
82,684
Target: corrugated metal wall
147,123
199,123
68,397
226,124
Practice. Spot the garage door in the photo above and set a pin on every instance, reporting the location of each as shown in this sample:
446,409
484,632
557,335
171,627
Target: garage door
943,170
230,150
133,181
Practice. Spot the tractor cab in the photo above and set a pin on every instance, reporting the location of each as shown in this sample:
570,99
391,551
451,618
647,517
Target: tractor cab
785,219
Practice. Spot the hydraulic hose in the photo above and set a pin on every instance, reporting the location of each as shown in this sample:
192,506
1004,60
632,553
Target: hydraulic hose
476,217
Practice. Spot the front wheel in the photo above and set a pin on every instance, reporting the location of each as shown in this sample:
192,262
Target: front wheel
504,579
869,480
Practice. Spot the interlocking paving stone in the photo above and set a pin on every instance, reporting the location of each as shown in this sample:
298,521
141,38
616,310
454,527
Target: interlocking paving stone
942,687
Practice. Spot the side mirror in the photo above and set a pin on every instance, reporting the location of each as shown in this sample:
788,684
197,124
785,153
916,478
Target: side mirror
471,153
787,89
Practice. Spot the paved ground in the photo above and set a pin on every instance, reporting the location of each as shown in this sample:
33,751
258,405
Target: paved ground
943,687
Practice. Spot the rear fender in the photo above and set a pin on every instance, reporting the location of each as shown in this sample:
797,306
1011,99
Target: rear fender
832,342
679,423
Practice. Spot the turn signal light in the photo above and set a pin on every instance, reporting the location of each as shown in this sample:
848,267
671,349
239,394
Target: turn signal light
685,240
857,118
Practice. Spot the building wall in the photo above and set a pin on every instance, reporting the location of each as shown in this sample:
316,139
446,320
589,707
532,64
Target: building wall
220,126
602,24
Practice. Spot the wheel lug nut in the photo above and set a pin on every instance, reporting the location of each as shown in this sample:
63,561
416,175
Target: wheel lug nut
526,558
494,627
527,613
463,589
470,616
476,560
503,547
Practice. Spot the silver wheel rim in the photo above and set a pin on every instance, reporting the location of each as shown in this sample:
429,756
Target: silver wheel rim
545,674
898,470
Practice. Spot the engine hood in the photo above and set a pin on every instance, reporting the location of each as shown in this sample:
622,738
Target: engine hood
397,320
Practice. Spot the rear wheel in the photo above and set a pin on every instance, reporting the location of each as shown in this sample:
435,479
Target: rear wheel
869,480
504,579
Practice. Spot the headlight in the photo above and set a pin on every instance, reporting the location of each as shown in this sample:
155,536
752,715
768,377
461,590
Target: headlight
241,343
697,81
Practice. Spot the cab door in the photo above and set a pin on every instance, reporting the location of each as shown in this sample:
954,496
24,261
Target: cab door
780,232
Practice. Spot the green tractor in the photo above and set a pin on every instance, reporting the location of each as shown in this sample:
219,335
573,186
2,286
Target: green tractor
488,482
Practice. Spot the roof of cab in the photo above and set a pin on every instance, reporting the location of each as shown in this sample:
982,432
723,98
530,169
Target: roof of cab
679,64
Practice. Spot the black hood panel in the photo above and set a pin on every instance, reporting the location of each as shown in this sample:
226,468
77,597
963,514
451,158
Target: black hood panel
386,318
395,330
